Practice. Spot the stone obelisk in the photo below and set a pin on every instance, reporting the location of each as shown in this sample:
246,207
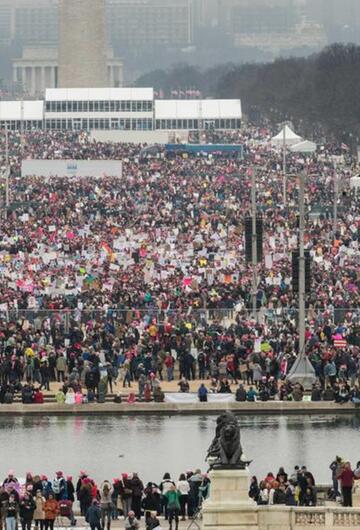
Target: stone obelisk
82,44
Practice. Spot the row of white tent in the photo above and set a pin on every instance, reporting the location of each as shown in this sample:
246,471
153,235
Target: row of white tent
293,141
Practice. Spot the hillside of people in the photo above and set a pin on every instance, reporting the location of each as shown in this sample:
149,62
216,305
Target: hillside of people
127,272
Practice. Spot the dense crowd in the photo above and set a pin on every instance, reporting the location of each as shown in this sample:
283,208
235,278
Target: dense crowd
299,488
41,500
270,389
146,275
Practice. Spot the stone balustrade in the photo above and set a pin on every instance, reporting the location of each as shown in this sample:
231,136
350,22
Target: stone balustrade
230,508
303,518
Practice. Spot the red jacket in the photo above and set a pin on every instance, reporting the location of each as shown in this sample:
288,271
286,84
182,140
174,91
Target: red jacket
51,509
346,477
38,397
169,361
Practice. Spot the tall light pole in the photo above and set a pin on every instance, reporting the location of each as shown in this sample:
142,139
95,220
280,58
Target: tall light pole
7,171
336,196
301,264
302,370
254,242
303,148
22,130
284,165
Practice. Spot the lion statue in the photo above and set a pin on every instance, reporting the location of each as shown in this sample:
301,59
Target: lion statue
225,450
229,442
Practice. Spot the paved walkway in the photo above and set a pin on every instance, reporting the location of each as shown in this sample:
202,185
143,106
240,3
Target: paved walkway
258,408
165,385
119,524
270,407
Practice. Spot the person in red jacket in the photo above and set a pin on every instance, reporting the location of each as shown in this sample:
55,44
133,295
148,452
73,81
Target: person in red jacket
169,363
38,396
51,509
347,477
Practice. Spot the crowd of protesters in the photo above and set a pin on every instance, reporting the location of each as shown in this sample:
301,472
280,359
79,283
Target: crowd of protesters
145,277
38,499
270,389
299,488
41,500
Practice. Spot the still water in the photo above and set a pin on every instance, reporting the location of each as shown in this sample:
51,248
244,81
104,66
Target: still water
105,446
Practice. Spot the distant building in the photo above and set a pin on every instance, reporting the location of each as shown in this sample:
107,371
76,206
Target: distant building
144,24
35,22
5,22
270,25
256,16
340,18
305,34
175,22
37,70
204,14
29,21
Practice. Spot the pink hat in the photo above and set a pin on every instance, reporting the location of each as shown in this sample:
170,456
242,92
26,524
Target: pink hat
69,477
59,473
43,477
11,472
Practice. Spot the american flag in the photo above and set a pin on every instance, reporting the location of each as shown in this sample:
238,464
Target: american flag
340,343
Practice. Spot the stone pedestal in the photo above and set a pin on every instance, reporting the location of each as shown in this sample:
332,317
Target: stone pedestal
229,506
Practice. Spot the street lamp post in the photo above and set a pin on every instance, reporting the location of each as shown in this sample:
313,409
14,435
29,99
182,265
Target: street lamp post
254,242
301,148
22,130
7,171
284,165
301,264
336,197
302,370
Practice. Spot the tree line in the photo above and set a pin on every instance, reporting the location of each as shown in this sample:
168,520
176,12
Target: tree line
319,94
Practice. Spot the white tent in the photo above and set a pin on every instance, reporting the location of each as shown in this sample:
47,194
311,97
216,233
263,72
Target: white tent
290,137
303,147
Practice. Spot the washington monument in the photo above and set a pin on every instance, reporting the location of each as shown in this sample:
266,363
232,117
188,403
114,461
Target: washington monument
83,44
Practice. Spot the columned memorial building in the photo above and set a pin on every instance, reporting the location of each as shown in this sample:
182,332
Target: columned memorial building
38,69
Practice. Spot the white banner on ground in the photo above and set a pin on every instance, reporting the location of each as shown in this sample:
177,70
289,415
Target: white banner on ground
71,168
180,397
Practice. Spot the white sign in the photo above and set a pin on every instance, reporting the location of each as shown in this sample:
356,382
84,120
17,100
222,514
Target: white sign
71,168
179,397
